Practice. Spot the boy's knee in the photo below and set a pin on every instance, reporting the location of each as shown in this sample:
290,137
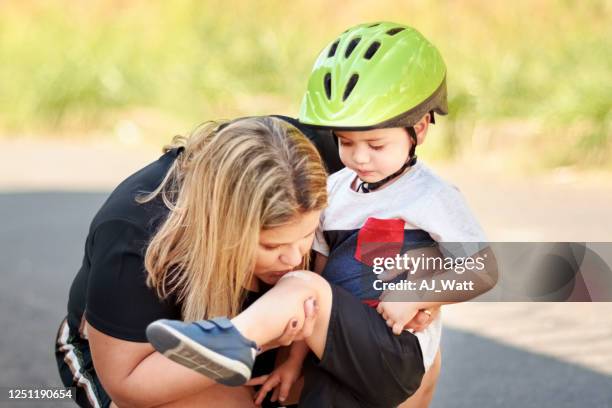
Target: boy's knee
306,276
306,279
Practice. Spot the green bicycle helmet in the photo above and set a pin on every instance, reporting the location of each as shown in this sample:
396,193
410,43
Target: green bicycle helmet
373,76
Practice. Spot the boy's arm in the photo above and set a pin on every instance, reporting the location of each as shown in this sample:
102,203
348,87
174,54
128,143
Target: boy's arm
320,261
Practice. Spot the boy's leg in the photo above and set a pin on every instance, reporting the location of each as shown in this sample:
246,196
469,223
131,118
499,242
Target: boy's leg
368,362
225,351
351,339
322,389
266,319
357,350
423,396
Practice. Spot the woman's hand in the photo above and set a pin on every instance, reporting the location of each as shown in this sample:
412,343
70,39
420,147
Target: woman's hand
423,319
293,331
280,380
407,315
397,314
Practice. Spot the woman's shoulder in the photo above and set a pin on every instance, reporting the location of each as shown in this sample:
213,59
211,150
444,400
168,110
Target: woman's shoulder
122,205
323,140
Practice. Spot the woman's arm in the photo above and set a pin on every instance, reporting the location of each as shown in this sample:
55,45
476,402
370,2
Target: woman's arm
135,375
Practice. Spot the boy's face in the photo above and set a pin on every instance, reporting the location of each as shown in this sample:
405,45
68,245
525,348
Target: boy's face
374,154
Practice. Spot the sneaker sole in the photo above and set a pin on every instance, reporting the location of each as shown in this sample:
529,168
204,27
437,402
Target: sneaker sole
189,353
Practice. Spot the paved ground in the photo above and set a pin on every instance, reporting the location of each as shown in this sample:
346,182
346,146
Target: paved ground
495,355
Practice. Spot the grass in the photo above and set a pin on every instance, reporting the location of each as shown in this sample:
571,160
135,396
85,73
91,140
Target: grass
74,67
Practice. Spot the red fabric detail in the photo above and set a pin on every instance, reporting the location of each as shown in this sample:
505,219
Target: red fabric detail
372,303
379,239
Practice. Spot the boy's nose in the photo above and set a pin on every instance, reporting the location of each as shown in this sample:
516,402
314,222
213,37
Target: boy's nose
361,156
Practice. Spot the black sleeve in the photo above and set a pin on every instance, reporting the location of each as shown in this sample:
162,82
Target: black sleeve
119,303
323,139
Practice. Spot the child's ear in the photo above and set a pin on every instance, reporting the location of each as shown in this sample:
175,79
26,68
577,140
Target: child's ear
421,128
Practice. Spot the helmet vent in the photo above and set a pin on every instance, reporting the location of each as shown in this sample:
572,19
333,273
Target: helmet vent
327,85
332,49
371,50
374,25
349,86
395,30
351,46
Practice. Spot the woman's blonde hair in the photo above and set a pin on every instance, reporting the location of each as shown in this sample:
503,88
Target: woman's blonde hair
231,181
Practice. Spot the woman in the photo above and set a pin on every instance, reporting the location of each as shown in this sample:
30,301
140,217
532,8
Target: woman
193,218
197,219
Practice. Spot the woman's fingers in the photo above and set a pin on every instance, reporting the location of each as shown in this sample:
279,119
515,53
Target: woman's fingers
309,307
433,311
275,394
419,321
257,380
289,334
272,382
283,390
310,311
390,323
398,328
293,330
422,319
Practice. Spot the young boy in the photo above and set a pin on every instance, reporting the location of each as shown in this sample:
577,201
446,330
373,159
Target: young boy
377,88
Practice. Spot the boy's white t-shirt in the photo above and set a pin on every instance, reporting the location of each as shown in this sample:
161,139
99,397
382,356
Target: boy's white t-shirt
417,209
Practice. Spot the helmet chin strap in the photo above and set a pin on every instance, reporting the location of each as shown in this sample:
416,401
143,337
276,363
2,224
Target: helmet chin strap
412,159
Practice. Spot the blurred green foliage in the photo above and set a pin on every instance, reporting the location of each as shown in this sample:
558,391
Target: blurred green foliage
86,65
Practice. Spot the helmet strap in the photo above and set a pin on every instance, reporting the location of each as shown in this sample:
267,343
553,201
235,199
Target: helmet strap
412,159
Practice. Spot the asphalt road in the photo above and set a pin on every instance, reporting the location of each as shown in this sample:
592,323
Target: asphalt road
41,246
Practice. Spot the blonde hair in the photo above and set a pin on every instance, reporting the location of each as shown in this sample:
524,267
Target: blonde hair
230,182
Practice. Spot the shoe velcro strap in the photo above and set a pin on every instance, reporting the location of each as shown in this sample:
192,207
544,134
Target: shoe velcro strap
205,324
222,322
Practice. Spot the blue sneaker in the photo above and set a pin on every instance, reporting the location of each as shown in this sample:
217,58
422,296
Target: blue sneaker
213,347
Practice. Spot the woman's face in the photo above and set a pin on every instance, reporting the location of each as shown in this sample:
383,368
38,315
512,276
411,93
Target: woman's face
281,249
